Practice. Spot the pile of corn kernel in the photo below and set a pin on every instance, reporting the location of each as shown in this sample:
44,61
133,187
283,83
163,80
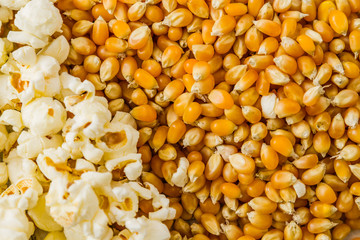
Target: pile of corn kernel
179,119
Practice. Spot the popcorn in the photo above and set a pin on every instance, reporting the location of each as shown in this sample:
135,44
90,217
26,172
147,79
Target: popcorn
70,206
14,224
14,4
146,229
118,141
13,118
6,93
53,163
39,17
58,49
131,164
268,103
180,177
26,39
25,55
74,86
30,145
91,115
44,116
43,79
19,167
123,117
41,216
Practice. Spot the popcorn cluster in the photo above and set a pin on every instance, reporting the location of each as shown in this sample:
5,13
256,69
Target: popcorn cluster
60,144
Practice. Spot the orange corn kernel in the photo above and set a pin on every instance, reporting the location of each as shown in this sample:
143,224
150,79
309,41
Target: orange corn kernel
268,27
253,39
338,22
231,190
144,113
286,64
282,145
306,43
176,131
139,37
192,113
221,99
282,179
269,157
223,25
145,79
198,8
286,107
222,127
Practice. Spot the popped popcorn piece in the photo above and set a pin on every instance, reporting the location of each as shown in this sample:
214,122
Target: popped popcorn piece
41,216
96,229
91,115
19,167
58,49
40,18
180,177
147,229
26,39
83,165
118,141
74,86
6,90
131,164
14,224
25,55
123,117
43,79
14,4
268,104
13,118
70,206
53,163
30,145
44,116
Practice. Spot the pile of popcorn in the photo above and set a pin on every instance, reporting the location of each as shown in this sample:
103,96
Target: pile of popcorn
59,144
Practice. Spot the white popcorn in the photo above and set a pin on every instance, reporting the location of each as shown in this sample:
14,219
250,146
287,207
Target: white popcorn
119,140
95,229
83,165
180,177
6,90
30,145
5,14
19,167
44,116
53,163
40,18
25,55
131,164
26,38
43,79
74,86
13,118
14,4
163,214
14,224
91,115
268,103
58,49
80,204
123,117
146,229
